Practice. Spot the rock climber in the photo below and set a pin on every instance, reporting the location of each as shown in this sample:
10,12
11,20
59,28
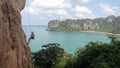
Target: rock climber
32,36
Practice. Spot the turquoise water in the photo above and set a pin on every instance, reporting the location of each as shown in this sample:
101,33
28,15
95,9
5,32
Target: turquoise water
70,41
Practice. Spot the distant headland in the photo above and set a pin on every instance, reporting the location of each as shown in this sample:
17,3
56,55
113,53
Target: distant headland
110,24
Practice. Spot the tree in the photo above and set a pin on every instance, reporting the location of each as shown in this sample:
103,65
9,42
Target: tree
48,56
114,39
98,55
64,60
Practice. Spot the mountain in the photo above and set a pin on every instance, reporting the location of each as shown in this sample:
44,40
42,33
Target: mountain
109,24
14,50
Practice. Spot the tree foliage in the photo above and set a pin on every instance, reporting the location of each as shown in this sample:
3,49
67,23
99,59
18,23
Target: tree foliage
97,55
48,56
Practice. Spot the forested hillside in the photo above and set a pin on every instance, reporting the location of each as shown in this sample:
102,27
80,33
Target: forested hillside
109,24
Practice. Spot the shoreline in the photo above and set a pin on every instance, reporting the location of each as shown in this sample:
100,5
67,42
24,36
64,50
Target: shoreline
107,33
100,32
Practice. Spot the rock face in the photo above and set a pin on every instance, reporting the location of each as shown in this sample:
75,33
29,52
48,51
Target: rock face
54,24
89,25
14,51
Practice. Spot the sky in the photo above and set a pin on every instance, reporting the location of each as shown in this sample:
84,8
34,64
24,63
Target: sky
40,12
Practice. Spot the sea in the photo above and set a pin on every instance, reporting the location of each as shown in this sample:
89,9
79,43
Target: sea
69,40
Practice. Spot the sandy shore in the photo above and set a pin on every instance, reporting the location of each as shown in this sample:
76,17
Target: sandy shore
100,32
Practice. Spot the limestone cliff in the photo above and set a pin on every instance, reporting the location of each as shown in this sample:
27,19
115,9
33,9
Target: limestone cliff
14,51
110,24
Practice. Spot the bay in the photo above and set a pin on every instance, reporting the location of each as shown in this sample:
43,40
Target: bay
70,41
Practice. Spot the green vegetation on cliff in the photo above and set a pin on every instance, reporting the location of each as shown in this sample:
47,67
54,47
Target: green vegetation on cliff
110,24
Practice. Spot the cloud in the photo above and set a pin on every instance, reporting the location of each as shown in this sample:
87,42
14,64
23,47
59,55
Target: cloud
54,8
61,13
83,12
109,10
60,8
78,1
50,4
38,6
47,6
33,11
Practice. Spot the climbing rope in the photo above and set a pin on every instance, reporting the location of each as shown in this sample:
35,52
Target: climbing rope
29,22
30,26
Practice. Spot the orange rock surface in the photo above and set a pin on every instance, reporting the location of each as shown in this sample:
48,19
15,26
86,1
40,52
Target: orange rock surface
14,51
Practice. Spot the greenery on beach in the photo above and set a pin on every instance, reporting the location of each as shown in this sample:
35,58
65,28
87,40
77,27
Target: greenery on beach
93,55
